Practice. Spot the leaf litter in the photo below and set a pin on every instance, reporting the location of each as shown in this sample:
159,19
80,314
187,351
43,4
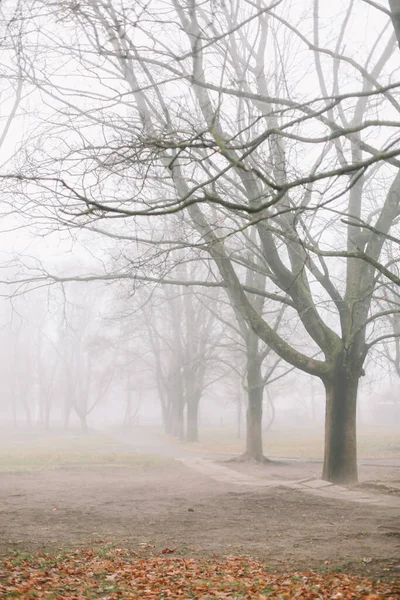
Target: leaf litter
122,574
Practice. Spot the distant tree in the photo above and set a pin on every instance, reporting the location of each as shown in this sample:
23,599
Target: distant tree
84,350
182,335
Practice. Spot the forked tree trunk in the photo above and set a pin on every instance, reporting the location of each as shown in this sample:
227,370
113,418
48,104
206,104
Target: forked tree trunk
340,460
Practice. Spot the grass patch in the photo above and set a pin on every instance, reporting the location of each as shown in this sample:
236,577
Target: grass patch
301,443
37,452
19,558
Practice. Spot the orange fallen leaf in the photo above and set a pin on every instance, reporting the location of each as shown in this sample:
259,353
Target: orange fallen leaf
71,576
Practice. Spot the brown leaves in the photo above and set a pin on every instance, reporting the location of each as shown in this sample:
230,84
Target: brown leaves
119,574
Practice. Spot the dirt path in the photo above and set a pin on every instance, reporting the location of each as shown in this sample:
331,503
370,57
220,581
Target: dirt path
141,440
309,484
149,509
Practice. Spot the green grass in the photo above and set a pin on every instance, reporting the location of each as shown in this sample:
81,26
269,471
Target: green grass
104,551
20,453
20,557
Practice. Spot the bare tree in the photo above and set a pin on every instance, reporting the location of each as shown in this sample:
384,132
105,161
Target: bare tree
182,336
261,132
84,352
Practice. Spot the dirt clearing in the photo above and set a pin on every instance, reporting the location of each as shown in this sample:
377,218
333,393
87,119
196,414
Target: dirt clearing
149,508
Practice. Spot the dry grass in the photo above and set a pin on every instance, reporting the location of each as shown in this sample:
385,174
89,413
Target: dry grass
373,442
32,452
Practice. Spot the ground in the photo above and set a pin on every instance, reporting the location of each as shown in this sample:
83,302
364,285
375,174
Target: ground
85,497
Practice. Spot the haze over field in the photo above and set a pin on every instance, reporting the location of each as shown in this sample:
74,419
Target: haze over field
199,298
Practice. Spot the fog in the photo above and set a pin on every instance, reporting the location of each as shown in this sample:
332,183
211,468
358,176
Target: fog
175,249
92,356
199,299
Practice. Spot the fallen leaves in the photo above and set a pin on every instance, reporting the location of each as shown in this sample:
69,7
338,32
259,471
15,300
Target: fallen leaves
119,574
168,550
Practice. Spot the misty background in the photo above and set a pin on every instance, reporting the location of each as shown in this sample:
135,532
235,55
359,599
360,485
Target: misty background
113,311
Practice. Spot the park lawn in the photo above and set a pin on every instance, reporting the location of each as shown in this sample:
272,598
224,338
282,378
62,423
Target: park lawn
20,452
301,443
115,573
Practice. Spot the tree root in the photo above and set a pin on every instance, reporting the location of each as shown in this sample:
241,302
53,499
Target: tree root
250,458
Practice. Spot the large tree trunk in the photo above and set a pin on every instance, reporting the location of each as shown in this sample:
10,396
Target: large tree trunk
340,460
254,446
177,415
178,406
239,413
179,422
166,416
255,384
192,415
255,392
395,10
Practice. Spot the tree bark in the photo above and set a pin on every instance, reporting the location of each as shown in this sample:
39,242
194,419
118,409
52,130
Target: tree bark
340,460
239,413
192,415
395,10
254,444
179,424
177,415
